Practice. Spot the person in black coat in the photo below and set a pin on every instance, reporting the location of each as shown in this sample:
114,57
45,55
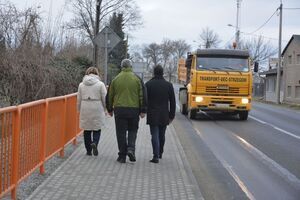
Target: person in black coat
160,111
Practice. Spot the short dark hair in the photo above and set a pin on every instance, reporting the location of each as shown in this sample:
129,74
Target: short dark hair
158,70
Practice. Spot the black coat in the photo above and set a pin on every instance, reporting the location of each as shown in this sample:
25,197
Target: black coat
161,101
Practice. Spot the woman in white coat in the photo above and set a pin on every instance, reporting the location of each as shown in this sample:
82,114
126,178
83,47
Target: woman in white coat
91,105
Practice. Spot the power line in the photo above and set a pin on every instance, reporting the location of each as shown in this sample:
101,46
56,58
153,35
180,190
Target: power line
265,22
270,38
291,8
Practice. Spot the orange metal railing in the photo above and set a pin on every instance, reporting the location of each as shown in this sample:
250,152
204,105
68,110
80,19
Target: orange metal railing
32,133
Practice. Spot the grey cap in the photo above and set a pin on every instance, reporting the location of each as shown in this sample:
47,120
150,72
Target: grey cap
126,63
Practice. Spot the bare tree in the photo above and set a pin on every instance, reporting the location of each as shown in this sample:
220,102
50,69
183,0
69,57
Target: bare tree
84,12
259,49
171,52
167,54
136,54
167,51
30,67
181,48
132,16
9,20
209,39
152,53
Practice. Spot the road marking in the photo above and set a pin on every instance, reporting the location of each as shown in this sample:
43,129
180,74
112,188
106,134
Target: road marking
274,166
286,132
231,172
277,128
271,164
237,180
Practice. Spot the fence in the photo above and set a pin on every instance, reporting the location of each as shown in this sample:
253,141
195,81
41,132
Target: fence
32,133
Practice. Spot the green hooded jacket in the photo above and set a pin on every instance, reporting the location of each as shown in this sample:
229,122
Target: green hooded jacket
126,93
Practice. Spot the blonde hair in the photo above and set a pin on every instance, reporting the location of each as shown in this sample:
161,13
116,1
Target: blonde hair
92,70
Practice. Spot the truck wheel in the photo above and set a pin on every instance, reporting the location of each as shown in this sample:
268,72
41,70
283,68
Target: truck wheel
183,109
192,114
243,115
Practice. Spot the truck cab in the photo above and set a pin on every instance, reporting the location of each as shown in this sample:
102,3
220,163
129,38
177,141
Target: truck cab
217,80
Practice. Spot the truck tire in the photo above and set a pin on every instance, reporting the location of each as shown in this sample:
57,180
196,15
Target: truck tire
243,115
192,113
183,109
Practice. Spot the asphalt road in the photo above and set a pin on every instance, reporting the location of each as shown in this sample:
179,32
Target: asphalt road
254,159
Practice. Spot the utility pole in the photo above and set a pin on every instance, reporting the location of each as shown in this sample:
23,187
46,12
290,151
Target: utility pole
106,56
126,55
238,23
279,57
96,32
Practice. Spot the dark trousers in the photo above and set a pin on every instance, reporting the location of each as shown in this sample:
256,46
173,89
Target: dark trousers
158,139
124,126
87,134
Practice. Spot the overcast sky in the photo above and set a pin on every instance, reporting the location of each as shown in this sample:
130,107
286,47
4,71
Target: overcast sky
184,19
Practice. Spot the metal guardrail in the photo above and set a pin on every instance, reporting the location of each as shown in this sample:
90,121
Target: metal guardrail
31,134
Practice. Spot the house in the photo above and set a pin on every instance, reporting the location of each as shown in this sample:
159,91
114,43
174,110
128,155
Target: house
291,68
258,85
270,84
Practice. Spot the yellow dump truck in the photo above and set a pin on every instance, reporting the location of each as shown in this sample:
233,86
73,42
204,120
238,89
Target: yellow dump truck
215,80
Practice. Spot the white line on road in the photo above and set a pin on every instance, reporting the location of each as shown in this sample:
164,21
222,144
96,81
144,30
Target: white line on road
274,166
232,173
277,128
237,180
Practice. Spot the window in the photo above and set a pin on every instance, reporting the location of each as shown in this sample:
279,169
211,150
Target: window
297,92
222,64
298,58
289,91
290,59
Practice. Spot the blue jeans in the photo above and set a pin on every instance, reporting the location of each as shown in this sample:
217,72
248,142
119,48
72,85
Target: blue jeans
87,134
158,140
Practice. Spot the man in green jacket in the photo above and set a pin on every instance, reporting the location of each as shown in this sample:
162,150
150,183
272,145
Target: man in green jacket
126,98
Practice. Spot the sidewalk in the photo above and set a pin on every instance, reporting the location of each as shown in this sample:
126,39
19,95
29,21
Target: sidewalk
102,177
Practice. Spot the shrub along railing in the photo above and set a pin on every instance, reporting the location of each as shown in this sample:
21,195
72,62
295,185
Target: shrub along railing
32,133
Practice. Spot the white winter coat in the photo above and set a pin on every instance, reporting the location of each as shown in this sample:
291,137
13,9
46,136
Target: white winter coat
91,102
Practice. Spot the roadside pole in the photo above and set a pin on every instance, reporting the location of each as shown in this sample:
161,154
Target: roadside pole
279,57
106,56
106,39
96,48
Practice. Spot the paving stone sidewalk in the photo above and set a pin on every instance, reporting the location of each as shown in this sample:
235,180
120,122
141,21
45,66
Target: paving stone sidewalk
102,177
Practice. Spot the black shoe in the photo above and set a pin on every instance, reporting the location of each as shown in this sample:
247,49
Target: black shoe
95,150
131,156
154,160
121,160
160,156
88,153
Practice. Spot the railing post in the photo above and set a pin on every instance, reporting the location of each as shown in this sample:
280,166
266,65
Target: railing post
75,140
16,144
76,124
44,134
63,128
